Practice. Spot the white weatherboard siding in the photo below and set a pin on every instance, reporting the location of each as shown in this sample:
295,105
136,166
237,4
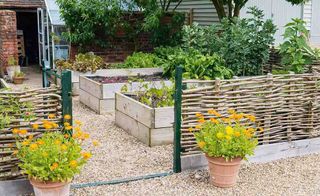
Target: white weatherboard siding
307,14
315,23
204,12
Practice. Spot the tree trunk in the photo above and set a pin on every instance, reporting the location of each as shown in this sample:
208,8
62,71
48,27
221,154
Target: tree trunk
220,9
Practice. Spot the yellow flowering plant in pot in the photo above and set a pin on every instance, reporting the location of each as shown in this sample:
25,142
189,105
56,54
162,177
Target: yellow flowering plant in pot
226,141
53,159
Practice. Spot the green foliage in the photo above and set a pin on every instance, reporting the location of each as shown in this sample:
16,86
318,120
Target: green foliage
95,22
140,60
11,108
87,62
228,138
195,64
19,74
51,157
12,61
242,43
153,96
295,51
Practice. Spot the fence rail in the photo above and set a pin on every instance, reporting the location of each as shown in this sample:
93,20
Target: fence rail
286,106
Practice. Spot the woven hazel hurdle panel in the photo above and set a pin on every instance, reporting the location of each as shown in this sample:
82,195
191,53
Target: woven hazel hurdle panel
286,106
38,103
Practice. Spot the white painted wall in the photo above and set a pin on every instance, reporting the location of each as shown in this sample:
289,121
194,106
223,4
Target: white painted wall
280,11
315,23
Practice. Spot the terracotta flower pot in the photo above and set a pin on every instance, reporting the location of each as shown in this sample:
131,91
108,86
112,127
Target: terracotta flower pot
50,188
18,80
223,173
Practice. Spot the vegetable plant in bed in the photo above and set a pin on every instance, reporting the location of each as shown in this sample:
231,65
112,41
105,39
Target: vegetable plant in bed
225,140
53,159
147,114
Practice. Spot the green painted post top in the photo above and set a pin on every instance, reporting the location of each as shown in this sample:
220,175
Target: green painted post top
66,94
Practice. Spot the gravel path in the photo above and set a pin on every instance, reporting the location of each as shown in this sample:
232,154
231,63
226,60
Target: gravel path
121,155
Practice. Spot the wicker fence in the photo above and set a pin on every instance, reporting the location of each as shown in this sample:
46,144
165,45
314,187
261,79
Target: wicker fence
286,106
38,103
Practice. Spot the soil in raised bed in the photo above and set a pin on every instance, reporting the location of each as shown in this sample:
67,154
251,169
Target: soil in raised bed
125,79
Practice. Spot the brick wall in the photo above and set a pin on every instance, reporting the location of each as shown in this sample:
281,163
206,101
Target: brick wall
120,47
21,3
8,35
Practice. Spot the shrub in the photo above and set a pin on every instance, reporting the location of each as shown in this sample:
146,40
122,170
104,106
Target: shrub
54,156
195,65
226,137
242,43
87,62
140,60
295,51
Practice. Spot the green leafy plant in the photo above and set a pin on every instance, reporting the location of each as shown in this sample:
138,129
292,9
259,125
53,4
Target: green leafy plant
242,43
195,64
230,137
12,61
295,51
19,74
87,62
140,60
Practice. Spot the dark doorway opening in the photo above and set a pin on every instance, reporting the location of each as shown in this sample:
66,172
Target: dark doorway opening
28,29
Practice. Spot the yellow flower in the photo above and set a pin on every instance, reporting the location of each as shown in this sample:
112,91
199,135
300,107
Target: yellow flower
190,129
15,131
251,130
201,144
73,163
33,146
199,115
251,118
247,133
55,125
40,142
86,155
54,166
64,147
67,117
66,136
215,121
95,143
226,120
57,142
47,126
201,120
51,116
66,124
237,134
219,135
30,137
68,128
231,111
77,129
45,154
198,126
25,143
86,135
214,112
35,126
229,130
228,137
23,132
15,152
78,122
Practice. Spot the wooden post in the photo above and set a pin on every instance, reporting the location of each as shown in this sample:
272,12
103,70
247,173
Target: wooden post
190,16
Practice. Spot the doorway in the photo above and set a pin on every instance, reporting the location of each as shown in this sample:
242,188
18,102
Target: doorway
27,32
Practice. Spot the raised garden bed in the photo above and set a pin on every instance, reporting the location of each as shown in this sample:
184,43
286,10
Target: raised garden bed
152,126
97,92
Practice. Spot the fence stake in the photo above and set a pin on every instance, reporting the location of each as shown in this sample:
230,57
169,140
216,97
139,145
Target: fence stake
177,120
66,94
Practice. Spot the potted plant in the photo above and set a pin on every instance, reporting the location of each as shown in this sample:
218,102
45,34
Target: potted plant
18,77
225,141
52,160
12,67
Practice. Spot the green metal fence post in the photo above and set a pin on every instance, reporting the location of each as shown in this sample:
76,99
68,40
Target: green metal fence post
45,81
177,121
66,93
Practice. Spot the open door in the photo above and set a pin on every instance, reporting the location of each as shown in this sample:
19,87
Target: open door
43,38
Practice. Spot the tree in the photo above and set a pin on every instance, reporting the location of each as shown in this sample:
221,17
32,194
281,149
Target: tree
234,7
